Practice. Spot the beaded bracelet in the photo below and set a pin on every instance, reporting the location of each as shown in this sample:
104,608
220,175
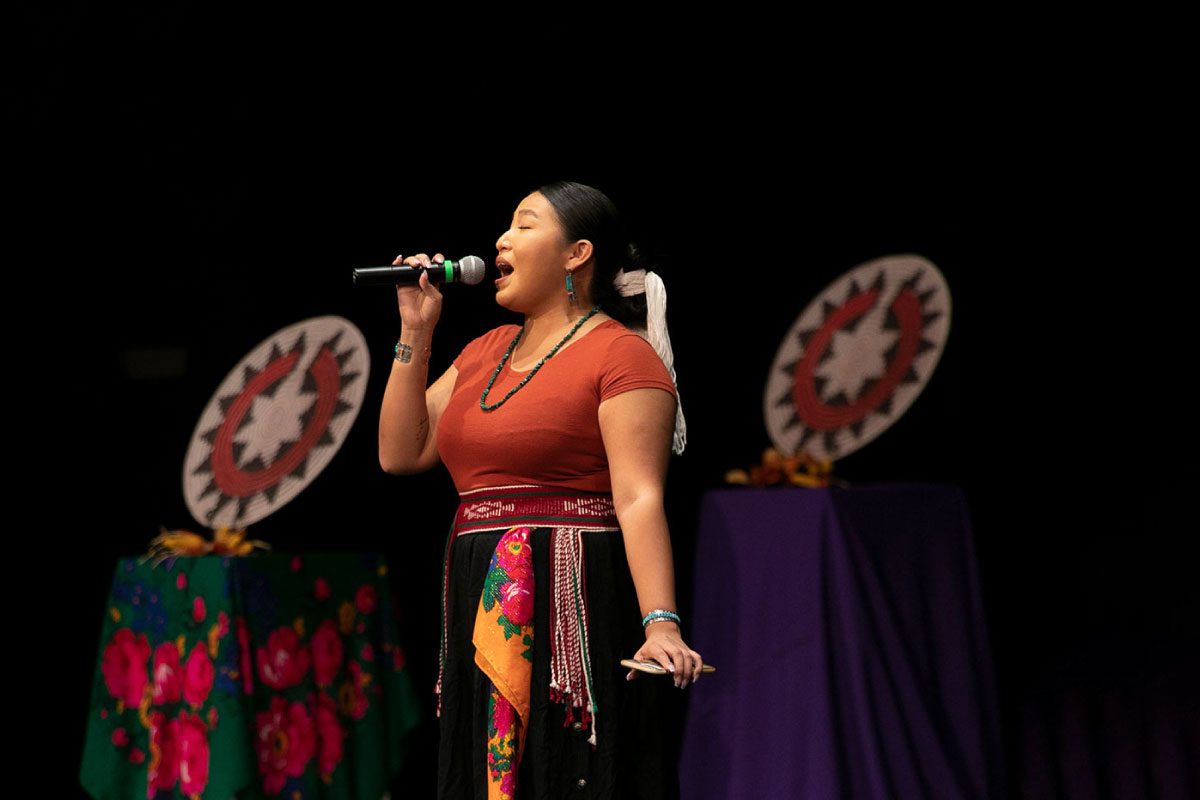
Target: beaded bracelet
659,614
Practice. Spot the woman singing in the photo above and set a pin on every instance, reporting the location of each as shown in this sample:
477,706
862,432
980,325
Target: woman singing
557,434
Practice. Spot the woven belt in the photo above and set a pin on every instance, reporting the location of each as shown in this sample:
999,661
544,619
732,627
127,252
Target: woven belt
498,508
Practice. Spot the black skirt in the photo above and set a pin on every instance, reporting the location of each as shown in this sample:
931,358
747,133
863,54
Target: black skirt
637,722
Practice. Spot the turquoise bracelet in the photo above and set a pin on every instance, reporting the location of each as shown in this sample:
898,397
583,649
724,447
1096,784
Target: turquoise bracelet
660,614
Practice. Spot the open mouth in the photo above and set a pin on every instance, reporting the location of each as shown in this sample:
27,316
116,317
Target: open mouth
504,267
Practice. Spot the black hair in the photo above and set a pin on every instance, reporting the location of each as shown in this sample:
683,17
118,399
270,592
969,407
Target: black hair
587,213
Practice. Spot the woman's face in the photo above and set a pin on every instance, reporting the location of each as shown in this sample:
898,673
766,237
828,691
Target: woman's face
532,256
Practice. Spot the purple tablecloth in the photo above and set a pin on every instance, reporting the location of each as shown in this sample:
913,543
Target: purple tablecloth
848,634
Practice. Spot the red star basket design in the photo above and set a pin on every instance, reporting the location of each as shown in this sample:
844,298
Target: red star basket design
857,357
275,422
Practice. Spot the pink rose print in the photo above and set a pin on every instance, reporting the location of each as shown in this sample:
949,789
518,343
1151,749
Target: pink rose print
192,749
197,675
164,761
321,589
366,599
329,733
198,609
517,603
120,737
516,556
285,743
283,662
244,660
326,646
368,652
136,756
503,715
352,700
168,682
124,666
181,581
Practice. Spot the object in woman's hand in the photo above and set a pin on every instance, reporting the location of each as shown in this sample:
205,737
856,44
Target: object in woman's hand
653,667
469,270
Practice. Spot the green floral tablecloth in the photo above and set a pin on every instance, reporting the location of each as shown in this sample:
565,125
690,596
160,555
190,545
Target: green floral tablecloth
267,676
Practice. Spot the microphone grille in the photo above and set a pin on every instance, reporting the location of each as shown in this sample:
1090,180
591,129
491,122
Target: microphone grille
472,269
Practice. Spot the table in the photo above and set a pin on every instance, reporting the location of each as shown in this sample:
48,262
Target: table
852,654
273,675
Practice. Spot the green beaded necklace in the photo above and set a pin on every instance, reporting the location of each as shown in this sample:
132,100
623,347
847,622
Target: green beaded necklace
483,398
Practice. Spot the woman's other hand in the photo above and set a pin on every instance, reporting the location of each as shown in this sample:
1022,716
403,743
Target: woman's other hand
665,645
420,305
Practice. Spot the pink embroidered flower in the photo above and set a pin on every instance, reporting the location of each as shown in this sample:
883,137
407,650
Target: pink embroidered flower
517,602
508,784
297,564
120,737
503,716
321,590
198,609
283,662
285,743
398,660
163,770
368,652
197,675
168,682
366,599
136,756
181,581
192,749
326,645
329,733
124,666
515,555
352,700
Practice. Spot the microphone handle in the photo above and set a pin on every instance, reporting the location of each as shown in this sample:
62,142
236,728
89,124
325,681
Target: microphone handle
446,272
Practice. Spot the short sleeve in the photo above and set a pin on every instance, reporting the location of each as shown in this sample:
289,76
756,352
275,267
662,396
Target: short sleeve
631,363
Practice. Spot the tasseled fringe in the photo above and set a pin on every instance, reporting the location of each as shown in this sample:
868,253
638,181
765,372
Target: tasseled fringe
570,663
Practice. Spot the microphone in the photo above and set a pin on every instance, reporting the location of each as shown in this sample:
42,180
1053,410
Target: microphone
469,270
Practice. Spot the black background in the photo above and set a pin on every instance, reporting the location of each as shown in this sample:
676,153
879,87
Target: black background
189,180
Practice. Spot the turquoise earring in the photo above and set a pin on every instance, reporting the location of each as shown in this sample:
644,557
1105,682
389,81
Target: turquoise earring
570,287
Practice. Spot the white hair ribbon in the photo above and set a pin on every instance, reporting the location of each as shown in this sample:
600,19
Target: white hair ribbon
636,282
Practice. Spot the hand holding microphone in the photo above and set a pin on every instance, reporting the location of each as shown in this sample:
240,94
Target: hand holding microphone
414,278
419,300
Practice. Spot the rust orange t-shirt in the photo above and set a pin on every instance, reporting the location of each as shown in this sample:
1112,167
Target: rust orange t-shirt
548,433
